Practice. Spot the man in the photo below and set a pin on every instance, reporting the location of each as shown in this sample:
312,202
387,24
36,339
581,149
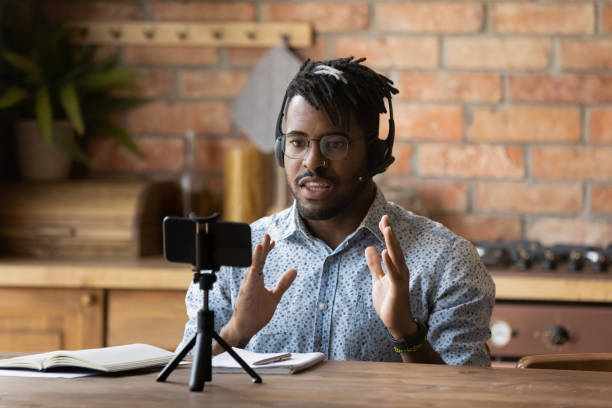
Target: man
429,300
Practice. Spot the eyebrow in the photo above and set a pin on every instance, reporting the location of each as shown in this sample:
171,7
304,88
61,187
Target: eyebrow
300,133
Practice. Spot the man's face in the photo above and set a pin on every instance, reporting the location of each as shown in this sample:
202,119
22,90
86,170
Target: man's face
323,191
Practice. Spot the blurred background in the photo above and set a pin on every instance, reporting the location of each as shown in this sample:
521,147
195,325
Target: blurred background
503,134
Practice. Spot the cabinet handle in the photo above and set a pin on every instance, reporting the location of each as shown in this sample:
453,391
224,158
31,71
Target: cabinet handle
87,299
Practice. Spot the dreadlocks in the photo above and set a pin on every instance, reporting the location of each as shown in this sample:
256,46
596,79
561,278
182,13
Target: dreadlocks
342,86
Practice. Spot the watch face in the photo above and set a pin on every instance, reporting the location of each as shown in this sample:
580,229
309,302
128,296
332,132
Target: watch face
501,333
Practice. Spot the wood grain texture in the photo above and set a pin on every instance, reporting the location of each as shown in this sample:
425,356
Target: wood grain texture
331,384
51,319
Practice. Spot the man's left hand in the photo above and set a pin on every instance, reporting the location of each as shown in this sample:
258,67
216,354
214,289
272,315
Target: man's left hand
391,291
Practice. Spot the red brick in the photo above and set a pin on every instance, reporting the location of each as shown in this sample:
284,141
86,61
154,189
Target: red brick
530,18
498,53
434,17
529,198
526,124
324,16
551,231
177,118
449,87
92,11
601,199
383,52
246,56
211,155
202,11
482,228
220,84
106,155
170,56
316,52
436,196
600,126
403,153
572,163
583,54
431,123
561,88
154,83
486,161
606,18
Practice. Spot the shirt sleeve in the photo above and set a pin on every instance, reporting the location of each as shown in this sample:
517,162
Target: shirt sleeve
464,299
220,302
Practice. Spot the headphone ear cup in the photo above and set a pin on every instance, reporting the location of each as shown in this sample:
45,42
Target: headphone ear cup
278,151
377,155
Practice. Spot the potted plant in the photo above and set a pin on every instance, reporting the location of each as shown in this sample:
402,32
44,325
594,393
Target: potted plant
52,90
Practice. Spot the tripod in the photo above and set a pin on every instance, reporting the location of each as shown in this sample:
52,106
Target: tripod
201,369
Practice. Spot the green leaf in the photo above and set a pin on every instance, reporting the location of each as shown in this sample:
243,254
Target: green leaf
69,146
13,96
70,102
24,63
122,137
115,78
44,114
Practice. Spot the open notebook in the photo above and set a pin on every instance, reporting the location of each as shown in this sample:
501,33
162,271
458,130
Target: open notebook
224,363
106,359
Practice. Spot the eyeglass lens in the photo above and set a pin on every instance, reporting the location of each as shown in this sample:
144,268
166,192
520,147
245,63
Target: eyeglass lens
333,147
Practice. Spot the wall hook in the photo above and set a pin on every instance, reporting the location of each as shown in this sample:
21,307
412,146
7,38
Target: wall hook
251,35
217,34
182,35
149,33
115,33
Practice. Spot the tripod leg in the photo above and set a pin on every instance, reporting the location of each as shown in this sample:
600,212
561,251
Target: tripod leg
163,375
256,378
201,370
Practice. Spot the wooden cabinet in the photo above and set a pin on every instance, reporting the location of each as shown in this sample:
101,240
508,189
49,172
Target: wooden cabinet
154,317
50,319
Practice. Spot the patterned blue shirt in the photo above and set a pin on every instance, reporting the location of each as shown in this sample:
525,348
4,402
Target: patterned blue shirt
329,308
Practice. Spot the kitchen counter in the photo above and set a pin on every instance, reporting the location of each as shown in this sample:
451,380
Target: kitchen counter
155,273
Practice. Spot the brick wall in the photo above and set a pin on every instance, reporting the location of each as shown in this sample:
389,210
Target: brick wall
504,117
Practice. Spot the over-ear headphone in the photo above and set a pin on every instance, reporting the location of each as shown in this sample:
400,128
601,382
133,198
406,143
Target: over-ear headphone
380,151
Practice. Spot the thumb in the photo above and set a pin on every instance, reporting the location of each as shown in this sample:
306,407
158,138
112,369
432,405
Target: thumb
283,283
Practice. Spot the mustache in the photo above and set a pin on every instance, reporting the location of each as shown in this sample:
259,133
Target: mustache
318,172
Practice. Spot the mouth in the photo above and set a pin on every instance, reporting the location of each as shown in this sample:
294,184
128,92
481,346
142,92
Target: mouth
315,188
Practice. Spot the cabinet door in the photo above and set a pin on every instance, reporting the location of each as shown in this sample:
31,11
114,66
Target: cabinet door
154,317
50,319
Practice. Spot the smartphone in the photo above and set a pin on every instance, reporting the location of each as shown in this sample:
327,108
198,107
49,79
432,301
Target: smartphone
230,242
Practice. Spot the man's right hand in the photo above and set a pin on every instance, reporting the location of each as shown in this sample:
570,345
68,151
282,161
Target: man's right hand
255,304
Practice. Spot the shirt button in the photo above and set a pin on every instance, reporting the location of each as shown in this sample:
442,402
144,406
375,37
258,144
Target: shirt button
323,306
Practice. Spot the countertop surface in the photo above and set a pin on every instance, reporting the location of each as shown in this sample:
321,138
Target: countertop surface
156,273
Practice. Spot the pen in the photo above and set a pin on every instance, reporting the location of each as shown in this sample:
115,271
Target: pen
280,357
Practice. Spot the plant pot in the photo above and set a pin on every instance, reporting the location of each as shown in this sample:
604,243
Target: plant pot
38,160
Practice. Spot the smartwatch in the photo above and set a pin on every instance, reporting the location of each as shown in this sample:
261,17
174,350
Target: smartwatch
411,343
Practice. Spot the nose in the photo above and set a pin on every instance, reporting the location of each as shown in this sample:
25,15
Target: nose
313,158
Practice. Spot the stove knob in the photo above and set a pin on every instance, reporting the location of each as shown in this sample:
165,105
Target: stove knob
576,261
550,260
558,335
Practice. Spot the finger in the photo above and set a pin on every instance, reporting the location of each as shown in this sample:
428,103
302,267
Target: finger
258,260
391,269
373,261
283,283
384,222
393,246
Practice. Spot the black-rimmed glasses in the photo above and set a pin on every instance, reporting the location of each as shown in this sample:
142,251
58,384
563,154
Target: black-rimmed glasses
333,147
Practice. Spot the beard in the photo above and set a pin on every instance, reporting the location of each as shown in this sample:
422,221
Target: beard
341,202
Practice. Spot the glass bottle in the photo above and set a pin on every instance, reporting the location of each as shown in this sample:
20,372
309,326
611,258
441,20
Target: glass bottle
195,198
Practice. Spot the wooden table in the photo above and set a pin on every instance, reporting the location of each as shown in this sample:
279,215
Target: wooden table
330,384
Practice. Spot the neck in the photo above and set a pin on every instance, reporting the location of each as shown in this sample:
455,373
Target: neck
334,230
